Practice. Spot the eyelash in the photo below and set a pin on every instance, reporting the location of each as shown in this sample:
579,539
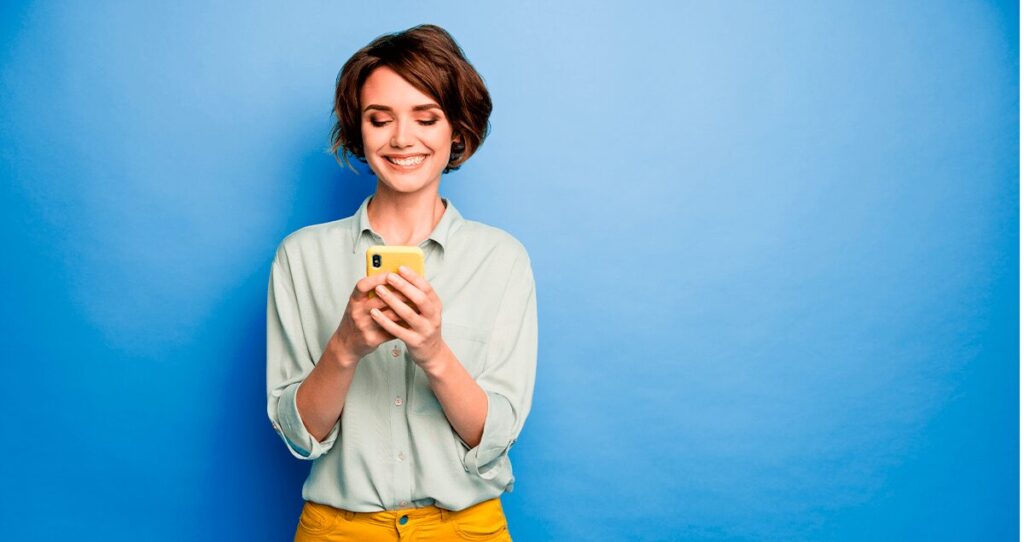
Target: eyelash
423,122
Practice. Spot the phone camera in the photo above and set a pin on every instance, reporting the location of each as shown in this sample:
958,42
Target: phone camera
376,260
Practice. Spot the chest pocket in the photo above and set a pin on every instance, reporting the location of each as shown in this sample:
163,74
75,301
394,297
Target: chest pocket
468,343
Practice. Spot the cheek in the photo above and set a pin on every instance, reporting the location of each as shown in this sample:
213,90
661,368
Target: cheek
372,139
442,145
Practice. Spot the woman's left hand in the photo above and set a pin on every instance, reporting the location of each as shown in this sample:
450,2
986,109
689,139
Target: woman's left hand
422,333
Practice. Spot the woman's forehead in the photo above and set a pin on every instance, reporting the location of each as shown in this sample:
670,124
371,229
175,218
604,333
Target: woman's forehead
384,87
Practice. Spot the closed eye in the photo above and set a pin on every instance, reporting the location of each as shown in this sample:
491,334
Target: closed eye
422,122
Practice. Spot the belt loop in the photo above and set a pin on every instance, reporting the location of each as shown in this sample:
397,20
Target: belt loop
348,514
444,514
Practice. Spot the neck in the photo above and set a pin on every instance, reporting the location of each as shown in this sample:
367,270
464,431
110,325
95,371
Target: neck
404,218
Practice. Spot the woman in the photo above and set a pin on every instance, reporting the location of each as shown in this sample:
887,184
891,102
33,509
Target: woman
406,403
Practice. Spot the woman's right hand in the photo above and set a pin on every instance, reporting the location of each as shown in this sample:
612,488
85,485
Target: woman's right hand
358,334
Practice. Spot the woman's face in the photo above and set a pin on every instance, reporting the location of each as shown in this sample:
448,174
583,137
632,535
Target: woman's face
401,123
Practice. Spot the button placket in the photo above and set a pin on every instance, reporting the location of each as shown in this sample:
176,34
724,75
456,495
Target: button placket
401,458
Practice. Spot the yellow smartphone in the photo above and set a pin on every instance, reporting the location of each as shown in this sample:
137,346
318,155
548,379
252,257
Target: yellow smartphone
387,258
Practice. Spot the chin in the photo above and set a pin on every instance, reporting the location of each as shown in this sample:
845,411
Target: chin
405,186
406,183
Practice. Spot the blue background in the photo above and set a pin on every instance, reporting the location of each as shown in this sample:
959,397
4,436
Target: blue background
776,251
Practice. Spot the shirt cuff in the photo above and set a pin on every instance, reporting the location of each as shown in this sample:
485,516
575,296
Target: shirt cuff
300,442
484,460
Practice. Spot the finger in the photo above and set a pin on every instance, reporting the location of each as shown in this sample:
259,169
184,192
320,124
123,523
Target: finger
381,305
410,316
416,280
393,328
423,285
412,292
390,313
366,284
377,303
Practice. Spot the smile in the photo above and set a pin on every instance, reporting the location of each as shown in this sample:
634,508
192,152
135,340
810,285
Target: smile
406,163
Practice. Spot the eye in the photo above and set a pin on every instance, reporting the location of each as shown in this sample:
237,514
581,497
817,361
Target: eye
379,123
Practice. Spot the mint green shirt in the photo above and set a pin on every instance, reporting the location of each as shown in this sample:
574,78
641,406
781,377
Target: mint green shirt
393,446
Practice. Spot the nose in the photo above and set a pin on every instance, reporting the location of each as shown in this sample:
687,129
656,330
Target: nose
402,136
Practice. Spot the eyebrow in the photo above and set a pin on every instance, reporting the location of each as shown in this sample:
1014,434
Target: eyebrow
422,107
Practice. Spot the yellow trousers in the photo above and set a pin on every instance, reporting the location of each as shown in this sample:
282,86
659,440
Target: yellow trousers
483,521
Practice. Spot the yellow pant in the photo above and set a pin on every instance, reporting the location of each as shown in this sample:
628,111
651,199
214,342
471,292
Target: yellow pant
483,521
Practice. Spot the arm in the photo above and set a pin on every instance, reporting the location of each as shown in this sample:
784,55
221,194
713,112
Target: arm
321,397
488,413
463,400
304,400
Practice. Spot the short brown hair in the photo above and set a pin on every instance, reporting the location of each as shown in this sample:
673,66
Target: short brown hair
429,59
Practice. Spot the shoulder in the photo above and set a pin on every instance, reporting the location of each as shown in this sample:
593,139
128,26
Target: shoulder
314,238
496,243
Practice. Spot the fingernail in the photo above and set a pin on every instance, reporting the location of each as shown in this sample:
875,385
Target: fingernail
403,269
392,277
381,290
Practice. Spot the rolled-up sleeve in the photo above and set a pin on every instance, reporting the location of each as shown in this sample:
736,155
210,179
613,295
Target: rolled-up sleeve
509,371
288,364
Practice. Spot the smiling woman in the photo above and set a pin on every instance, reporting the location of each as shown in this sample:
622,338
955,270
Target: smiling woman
406,137
408,402
449,90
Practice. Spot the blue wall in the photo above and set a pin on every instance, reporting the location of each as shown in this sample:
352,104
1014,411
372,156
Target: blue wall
776,247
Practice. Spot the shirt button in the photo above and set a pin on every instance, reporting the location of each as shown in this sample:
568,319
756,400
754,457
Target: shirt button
404,503
401,456
398,401
395,351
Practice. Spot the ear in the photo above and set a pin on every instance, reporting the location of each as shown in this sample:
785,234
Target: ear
457,138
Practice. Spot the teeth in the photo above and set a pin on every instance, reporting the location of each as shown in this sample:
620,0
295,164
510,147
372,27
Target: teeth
407,161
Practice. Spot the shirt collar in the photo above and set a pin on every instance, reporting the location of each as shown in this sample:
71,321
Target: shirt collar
450,221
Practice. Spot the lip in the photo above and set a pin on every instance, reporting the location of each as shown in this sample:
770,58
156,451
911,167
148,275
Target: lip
401,156
397,167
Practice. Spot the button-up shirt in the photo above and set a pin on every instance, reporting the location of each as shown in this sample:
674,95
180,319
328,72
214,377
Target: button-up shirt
393,447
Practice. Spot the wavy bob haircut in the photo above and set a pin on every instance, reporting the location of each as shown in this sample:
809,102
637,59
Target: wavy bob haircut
429,59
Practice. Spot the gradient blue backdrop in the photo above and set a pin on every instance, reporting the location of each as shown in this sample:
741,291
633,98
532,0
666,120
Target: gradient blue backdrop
776,250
